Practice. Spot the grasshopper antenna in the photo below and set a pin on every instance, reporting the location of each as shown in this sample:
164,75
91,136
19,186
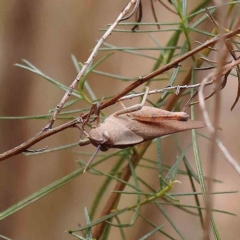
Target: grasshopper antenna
91,159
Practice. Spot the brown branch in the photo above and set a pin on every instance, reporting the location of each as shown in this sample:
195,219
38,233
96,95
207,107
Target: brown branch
114,197
154,14
168,8
37,138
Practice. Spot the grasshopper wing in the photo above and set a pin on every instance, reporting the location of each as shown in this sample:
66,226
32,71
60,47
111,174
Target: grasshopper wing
150,123
121,134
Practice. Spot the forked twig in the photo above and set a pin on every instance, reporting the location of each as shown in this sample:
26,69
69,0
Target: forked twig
137,3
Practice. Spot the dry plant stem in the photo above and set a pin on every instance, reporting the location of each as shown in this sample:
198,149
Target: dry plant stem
37,138
137,4
138,15
168,8
114,197
36,150
228,156
44,134
208,123
163,90
221,56
154,14
87,64
174,98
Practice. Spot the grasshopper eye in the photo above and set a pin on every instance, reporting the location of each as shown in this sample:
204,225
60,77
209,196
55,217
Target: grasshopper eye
106,135
104,148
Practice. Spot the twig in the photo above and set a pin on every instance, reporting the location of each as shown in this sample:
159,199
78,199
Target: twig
36,150
163,90
139,15
168,8
137,3
37,138
208,123
88,63
211,48
202,103
154,14
228,156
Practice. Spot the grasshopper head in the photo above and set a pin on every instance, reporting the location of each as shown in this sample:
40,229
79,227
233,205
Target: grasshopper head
100,137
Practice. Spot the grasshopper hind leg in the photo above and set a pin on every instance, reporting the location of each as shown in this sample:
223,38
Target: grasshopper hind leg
135,107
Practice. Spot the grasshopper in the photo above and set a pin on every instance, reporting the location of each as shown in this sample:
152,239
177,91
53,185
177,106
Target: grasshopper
136,124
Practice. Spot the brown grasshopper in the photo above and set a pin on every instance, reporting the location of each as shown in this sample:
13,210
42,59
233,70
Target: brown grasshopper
136,124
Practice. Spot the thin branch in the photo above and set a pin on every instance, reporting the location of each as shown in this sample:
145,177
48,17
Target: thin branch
137,3
154,14
168,8
36,150
88,63
163,90
201,98
211,128
114,197
211,48
228,156
139,16
37,138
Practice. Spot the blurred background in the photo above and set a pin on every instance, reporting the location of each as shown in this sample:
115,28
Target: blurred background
46,33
